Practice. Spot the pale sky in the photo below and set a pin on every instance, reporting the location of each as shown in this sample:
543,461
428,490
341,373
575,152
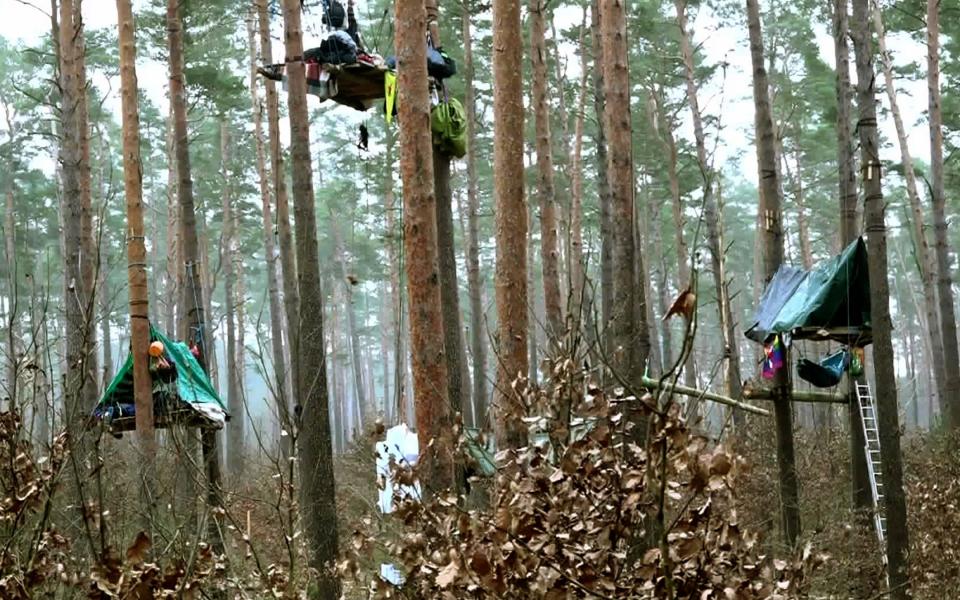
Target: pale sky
28,21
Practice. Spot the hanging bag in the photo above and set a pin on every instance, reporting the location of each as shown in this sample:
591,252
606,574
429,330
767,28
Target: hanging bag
448,121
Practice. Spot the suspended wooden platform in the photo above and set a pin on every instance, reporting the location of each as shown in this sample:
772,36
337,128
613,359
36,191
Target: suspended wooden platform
359,85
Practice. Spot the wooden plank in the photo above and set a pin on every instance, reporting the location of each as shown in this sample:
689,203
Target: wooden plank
705,395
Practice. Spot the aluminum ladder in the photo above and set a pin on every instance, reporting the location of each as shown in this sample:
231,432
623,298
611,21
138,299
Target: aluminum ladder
871,448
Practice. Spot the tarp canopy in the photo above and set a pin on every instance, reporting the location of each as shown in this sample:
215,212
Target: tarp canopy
193,389
831,302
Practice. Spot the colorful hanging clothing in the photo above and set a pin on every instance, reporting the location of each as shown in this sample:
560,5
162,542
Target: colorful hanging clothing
773,357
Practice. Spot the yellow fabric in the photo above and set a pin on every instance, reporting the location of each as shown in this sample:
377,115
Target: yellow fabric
390,92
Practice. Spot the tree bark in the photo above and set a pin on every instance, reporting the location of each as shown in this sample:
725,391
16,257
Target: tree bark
193,326
81,386
136,252
885,390
511,220
631,340
579,299
430,377
269,248
603,183
478,345
174,272
317,488
772,236
288,262
950,400
546,193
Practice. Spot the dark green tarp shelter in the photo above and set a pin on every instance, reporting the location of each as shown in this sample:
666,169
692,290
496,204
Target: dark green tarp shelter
830,302
190,398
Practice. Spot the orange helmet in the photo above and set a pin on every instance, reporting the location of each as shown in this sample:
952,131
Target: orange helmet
156,349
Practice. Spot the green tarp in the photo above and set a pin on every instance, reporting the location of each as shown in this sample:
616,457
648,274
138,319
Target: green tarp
830,302
193,387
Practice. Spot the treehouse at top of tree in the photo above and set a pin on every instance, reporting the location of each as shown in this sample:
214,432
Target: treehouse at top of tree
182,392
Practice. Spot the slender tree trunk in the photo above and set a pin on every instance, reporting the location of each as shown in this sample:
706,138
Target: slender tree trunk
288,262
105,331
136,253
772,236
511,220
860,483
193,326
235,433
317,488
679,222
579,299
269,248
948,322
631,339
714,220
603,183
356,361
885,390
174,272
478,345
549,240
11,319
458,379
395,238
533,349
79,252
925,259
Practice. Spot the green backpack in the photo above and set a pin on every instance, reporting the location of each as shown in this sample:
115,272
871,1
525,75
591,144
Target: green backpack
449,124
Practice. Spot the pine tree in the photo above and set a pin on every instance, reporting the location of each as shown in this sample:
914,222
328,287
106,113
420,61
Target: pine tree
771,234
317,502
511,219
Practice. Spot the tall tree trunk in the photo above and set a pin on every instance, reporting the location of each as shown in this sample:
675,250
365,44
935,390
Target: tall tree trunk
603,183
193,326
269,248
885,390
549,240
288,262
430,378
679,222
235,427
925,259
395,238
458,379
356,360
317,488
511,219
579,299
478,345
632,342
533,349
714,221
174,271
860,483
81,387
948,323
136,253
772,236
11,319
